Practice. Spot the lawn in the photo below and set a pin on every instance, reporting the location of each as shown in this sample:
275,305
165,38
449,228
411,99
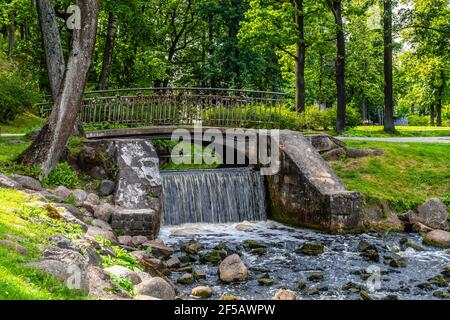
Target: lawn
378,132
405,176
18,282
24,123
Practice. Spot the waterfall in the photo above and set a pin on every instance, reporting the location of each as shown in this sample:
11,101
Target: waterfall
213,196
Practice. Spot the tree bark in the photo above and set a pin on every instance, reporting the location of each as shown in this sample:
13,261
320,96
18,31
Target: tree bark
52,139
108,52
336,8
52,45
11,34
432,115
441,93
388,78
300,59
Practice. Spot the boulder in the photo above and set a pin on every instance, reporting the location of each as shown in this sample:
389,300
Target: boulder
64,243
93,198
56,268
433,213
312,249
14,246
324,143
104,212
125,240
138,240
438,238
101,286
101,224
381,217
334,155
394,260
192,248
6,182
186,278
106,188
283,294
120,271
27,182
98,232
232,269
155,267
63,192
316,277
66,256
155,287
80,196
173,263
89,250
202,292
159,249
98,173
369,251
143,275
356,153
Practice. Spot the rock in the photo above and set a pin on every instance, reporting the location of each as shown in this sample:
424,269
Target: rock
98,173
104,212
323,143
283,294
80,196
420,228
221,247
90,207
120,271
6,182
381,217
68,257
412,245
253,244
56,268
27,182
155,267
192,248
357,153
316,277
98,232
232,269
186,278
67,216
143,275
259,251
440,294
425,286
439,281
142,297
437,238
155,287
369,251
213,256
63,192
433,213
265,281
227,298
334,155
394,260
64,243
89,249
101,224
199,274
446,272
312,249
14,246
106,188
173,263
301,285
364,295
102,287
138,240
159,249
202,292
391,297
352,287
93,198
125,240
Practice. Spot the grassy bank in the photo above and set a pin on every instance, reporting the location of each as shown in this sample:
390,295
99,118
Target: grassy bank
405,176
378,132
22,124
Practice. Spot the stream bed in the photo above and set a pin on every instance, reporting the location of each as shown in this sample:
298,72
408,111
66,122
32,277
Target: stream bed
345,271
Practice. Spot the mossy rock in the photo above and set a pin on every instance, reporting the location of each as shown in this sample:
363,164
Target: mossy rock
221,247
301,285
265,281
213,256
186,278
439,281
228,298
364,295
192,248
312,249
253,244
259,251
446,272
440,294
316,277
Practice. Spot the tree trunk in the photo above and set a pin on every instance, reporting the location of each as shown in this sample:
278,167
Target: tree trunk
11,34
52,139
52,45
432,115
108,53
336,7
300,60
388,79
439,112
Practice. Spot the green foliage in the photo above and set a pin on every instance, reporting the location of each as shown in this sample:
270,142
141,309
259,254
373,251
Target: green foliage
124,283
121,258
62,175
418,121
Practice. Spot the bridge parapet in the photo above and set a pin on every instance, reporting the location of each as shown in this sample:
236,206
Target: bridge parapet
180,106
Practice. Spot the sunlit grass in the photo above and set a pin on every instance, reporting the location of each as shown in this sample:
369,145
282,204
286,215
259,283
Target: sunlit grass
22,124
402,131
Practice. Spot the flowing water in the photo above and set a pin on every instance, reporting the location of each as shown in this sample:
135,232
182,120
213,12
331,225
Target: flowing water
340,263
213,196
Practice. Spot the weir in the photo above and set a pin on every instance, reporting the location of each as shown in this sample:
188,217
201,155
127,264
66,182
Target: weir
213,196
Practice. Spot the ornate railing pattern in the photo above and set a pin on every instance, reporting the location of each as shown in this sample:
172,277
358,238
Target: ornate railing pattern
180,106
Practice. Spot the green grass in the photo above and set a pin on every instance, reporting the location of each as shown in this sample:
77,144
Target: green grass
18,282
24,123
378,132
405,176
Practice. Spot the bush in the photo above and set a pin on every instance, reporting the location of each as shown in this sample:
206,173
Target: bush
62,175
419,121
14,98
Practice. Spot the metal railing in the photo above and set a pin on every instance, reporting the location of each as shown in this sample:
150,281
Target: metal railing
180,106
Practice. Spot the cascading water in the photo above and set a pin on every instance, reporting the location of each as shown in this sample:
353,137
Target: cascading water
213,196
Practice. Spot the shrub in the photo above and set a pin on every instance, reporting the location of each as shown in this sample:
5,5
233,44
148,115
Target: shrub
420,121
62,175
14,98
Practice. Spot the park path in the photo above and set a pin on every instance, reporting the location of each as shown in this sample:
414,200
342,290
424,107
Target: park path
401,140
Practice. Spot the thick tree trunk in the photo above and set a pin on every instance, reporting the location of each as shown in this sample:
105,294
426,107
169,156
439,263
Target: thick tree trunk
336,7
432,115
49,146
108,52
52,45
11,34
388,79
300,60
439,112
